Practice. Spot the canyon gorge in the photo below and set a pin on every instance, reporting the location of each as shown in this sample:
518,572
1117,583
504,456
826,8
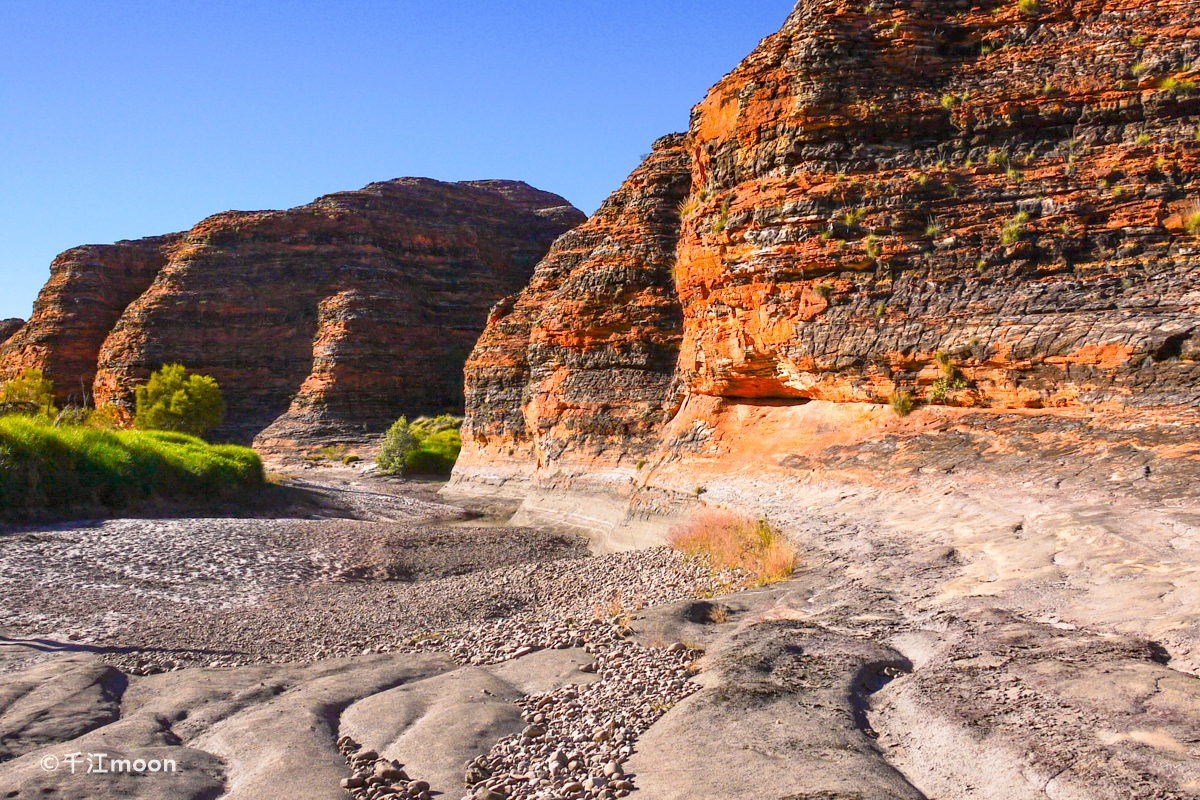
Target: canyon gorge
918,288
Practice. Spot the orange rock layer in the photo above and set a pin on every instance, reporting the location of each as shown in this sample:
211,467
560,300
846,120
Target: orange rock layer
987,205
1012,189
88,290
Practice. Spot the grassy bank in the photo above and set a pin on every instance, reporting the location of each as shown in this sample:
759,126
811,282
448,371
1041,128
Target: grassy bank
46,468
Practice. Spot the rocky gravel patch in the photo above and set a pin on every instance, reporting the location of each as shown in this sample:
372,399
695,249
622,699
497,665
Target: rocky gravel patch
152,596
120,567
578,737
483,617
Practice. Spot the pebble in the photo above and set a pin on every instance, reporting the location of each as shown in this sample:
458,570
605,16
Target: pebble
577,736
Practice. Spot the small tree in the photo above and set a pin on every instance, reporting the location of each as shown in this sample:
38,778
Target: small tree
398,445
29,392
173,400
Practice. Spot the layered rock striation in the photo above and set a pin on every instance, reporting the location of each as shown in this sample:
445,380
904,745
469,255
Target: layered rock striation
584,358
1010,185
989,212
989,206
89,288
322,322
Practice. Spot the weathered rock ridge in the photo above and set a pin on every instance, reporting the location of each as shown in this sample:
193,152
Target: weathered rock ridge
8,327
319,322
990,209
88,290
1010,185
585,356
988,206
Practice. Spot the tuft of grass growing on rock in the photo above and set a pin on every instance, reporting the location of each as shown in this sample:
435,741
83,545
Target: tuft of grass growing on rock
1014,229
44,467
901,403
728,541
1191,221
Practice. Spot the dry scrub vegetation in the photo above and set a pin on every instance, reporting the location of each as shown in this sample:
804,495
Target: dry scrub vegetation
726,541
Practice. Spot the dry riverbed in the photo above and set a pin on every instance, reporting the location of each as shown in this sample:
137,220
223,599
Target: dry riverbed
373,642
367,571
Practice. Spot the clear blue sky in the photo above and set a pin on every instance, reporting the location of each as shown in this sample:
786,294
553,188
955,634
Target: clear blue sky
124,119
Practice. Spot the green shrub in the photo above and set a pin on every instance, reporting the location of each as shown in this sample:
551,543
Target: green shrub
943,386
48,467
427,446
173,400
28,393
398,444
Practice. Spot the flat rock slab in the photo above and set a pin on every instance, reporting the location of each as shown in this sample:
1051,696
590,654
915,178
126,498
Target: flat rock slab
1006,709
286,746
781,716
57,702
437,726
249,732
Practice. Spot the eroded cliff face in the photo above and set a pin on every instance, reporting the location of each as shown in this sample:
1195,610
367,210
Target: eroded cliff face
584,358
1011,188
321,323
990,206
88,290
8,327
